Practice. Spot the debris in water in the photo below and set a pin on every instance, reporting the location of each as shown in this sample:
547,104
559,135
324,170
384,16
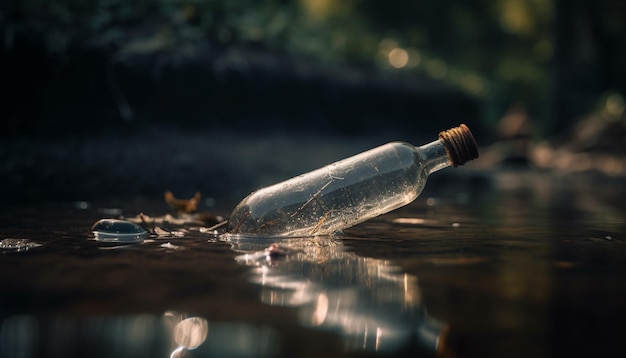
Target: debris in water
220,224
17,245
168,220
115,230
182,205
272,252
163,232
169,245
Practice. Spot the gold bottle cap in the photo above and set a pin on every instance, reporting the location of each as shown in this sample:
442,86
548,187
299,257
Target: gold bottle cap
460,144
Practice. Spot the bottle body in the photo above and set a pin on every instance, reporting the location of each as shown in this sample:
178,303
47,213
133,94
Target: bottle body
338,195
350,191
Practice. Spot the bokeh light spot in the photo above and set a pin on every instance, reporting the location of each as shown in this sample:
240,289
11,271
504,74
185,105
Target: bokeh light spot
398,57
615,104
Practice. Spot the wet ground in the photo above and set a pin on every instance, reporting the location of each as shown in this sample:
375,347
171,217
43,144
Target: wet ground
491,263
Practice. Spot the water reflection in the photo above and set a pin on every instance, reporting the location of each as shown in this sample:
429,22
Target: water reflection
189,334
218,339
172,334
369,302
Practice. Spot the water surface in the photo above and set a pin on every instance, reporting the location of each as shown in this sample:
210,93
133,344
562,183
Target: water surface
515,264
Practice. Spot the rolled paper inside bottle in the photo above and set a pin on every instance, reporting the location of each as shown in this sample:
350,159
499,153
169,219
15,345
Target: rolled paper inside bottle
460,144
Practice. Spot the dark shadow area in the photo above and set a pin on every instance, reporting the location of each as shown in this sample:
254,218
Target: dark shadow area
104,98
251,91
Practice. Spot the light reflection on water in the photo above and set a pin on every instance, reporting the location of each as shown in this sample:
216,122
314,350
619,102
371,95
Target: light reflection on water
170,335
534,268
369,302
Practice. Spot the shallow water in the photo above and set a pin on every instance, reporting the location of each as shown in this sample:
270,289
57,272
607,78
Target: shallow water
519,264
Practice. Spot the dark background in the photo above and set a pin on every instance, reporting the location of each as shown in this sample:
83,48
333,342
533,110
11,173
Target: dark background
114,78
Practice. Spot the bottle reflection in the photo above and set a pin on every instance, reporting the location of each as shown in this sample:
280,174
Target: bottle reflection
369,302
188,333
217,339
171,334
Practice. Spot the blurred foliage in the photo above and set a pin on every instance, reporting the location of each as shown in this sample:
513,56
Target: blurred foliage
497,50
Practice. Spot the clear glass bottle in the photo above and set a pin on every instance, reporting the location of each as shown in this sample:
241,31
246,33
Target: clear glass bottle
350,191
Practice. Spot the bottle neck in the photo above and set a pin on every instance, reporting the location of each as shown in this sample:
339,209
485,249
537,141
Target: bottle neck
434,156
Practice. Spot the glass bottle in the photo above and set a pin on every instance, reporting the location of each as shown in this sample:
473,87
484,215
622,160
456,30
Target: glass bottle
350,191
